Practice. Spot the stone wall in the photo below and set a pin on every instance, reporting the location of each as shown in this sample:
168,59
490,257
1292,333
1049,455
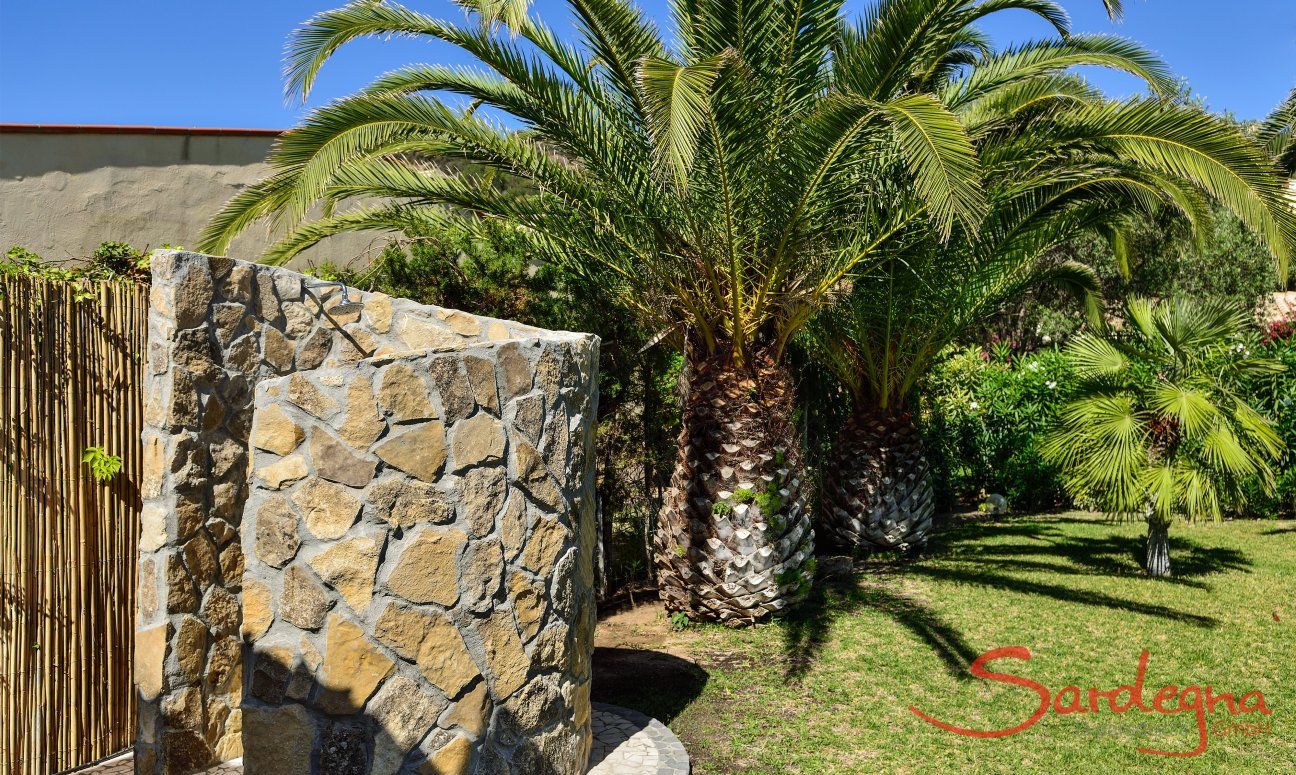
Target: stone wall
248,374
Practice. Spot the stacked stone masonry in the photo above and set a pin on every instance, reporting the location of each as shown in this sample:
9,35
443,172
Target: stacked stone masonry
367,540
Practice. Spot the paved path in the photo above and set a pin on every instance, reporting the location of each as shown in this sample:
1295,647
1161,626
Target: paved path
125,765
626,742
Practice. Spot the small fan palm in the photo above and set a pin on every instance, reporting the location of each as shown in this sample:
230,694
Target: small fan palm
1159,429
1059,160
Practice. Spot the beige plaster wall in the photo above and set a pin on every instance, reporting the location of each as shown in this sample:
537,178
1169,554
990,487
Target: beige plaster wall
62,194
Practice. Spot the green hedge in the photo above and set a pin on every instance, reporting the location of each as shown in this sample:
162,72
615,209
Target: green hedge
1275,396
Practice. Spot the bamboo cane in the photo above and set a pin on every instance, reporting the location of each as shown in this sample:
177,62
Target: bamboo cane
70,378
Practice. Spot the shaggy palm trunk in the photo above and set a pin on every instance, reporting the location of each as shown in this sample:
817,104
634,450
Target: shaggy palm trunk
877,489
1158,549
734,537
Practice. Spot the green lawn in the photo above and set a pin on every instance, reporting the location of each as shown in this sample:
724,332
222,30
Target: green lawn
830,690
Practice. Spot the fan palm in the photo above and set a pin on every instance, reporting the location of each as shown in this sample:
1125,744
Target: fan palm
1159,429
1058,160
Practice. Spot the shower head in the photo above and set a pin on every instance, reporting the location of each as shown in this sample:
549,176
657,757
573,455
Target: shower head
345,306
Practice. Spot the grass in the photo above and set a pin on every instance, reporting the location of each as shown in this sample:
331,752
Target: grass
829,690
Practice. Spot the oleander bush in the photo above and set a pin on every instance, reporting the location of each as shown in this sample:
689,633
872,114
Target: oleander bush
1275,396
984,412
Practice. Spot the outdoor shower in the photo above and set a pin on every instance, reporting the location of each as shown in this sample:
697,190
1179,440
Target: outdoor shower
347,304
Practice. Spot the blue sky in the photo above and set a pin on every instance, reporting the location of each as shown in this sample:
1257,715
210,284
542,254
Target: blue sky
217,62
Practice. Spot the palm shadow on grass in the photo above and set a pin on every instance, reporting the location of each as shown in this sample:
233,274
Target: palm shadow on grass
963,552
1070,554
1111,556
807,630
1058,592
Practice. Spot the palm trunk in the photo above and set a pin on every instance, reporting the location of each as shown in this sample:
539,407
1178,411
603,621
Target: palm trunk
734,534
877,490
1158,549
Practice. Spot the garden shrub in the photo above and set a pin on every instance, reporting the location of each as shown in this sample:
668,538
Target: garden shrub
1275,396
984,412
488,272
109,261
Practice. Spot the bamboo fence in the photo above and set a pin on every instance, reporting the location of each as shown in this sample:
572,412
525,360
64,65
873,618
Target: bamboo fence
70,378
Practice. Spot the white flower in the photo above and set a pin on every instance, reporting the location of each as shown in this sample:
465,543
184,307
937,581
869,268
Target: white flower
1047,339
974,405
1051,384
1034,366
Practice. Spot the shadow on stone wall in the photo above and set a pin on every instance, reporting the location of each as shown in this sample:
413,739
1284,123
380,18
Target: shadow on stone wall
398,733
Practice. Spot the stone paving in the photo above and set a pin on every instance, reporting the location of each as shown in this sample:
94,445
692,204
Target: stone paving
626,742
125,765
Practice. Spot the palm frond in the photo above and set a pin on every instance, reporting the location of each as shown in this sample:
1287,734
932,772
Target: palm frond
1192,409
393,218
618,37
677,99
1032,61
1187,142
311,45
1278,134
1094,357
258,201
940,158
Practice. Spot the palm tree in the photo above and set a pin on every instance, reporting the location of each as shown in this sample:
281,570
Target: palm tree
720,188
1059,160
1159,429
